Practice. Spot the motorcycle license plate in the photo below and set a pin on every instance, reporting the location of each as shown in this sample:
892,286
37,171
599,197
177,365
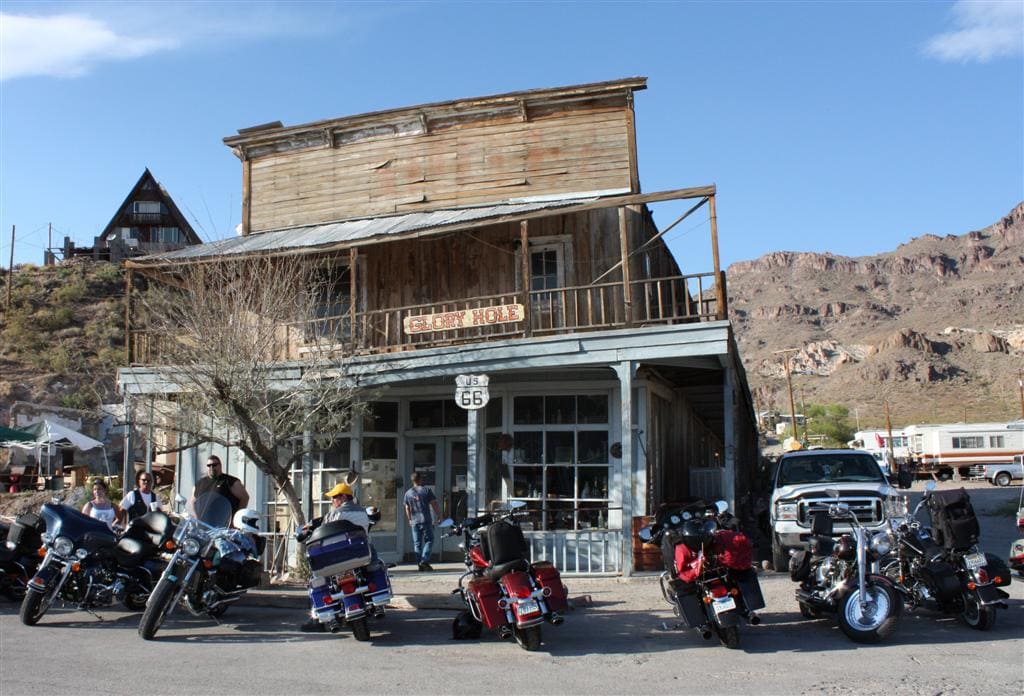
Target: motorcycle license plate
530,606
723,604
974,560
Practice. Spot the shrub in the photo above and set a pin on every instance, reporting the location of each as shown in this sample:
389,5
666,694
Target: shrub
54,319
70,292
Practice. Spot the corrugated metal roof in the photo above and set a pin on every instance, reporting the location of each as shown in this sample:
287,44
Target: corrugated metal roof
351,231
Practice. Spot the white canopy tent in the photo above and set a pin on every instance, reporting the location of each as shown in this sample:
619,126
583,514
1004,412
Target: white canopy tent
52,436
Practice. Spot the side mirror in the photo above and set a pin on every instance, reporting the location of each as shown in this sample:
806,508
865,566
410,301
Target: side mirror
930,486
516,504
446,523
721,506
645,534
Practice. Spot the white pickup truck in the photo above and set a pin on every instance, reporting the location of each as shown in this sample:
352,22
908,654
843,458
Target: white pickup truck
1004,474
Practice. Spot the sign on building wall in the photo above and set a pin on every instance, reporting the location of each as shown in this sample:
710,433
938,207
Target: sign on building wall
465,319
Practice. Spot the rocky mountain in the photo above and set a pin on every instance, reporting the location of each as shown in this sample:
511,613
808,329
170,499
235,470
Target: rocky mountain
934,328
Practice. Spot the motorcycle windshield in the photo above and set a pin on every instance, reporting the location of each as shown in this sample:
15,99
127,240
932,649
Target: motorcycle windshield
213,509
62,520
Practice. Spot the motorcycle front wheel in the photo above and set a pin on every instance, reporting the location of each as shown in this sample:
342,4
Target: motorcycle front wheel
975,615
36,602
528,638
156,609
879,617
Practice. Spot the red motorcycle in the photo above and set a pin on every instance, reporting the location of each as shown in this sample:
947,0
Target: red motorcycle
503,591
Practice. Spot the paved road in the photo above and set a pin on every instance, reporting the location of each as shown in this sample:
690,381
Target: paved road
615,644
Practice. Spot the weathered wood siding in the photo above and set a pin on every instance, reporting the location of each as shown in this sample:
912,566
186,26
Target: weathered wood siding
586,148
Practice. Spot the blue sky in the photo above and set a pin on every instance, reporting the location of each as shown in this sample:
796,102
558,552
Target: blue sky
842,127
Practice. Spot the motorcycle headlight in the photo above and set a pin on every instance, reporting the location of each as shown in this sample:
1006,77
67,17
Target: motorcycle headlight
785,511
63,546
881,544
191,546
81,554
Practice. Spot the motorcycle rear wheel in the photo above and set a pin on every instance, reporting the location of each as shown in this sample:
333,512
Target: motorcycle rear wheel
729,636
156,608
35,603
978,617
360,629
528,638
878,622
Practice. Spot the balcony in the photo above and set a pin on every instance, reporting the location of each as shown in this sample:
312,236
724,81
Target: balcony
598,307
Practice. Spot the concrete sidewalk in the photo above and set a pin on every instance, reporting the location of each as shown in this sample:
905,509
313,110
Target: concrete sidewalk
413,589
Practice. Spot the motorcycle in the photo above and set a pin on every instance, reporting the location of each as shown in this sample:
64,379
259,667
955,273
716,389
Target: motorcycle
19,554
1016,557
348,586
502,590
212,565
946,571
835,577
709,578
87,565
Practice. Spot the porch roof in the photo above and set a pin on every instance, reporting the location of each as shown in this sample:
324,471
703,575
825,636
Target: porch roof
352,233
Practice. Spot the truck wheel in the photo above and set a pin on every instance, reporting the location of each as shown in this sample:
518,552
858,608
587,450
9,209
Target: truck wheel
1002,479
780,556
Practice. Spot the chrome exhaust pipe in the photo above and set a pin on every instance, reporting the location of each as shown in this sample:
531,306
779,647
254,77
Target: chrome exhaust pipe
555,619
755,619
705,634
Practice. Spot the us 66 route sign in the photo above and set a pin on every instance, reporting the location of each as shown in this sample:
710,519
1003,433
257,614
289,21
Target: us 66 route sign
471,391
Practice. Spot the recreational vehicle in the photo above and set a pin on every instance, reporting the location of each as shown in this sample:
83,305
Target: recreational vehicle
963,449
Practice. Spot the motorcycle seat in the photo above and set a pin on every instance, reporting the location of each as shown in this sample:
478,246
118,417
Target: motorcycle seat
821,545
6,554
496,572
132,552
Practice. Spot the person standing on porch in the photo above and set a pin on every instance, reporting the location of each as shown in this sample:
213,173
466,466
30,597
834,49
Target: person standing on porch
419,502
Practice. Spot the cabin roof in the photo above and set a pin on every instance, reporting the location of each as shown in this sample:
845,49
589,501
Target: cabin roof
358,232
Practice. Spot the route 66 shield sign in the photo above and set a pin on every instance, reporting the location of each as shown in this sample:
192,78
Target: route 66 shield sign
471,391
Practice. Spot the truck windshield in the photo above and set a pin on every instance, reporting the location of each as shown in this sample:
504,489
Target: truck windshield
845,468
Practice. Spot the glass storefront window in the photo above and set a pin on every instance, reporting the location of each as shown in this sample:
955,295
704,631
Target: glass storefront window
593,446
527,482
561,448
426,414
527,447
592,409
493,413
528,410
381,417
559,409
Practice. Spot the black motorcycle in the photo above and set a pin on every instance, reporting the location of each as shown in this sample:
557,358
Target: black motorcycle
942,568
88,566
834,576
709,578
19,554
211,567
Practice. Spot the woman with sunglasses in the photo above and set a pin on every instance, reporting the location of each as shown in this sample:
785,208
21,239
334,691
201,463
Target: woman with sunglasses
100,506
143,498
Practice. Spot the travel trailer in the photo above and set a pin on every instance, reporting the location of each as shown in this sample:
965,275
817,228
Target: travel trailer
963,448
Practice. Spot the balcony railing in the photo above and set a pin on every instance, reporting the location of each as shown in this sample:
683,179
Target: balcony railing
668,300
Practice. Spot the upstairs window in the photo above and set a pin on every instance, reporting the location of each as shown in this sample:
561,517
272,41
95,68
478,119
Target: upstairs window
331,294
148,207
166,235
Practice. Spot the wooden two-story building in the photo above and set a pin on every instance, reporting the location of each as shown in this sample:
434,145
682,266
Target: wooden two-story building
504,236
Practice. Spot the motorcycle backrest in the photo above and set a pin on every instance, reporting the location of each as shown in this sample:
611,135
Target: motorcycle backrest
505,543
821,523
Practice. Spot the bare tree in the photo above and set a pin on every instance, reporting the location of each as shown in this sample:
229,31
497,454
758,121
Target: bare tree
252,350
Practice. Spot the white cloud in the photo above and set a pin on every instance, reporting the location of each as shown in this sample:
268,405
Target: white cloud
985,29
64,45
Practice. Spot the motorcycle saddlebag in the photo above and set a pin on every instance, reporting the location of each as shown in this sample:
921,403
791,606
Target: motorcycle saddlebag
336,547
750,588
484,594
954,523
997,570
379,583
547,576
688,603
800,565
941,578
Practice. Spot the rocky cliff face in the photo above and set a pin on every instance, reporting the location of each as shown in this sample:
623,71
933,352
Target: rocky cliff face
936,327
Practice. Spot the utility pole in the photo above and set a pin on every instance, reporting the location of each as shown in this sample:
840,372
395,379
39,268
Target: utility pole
1020,385
49,239
10,273
888,425
789,383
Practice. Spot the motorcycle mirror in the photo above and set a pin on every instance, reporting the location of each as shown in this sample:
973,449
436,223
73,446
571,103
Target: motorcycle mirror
351,477
445,523
832,492
645,534
721,506
516,504
930,486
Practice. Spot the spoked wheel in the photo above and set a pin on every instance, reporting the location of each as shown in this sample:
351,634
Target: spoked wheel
360,629
528,638
977,616
729,636
156,609
36,602
876,620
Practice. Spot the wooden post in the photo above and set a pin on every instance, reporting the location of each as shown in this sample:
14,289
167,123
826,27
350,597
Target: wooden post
888,425
524,272
627,292
128,317
10,273
246,194
723,309
353,257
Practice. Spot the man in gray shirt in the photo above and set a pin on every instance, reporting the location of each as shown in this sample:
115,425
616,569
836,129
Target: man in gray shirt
419,501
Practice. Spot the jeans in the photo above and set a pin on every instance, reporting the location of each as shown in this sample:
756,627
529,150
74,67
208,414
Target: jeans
422,541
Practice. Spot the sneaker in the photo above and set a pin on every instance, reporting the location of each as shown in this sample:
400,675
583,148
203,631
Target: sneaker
426,566
312,626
